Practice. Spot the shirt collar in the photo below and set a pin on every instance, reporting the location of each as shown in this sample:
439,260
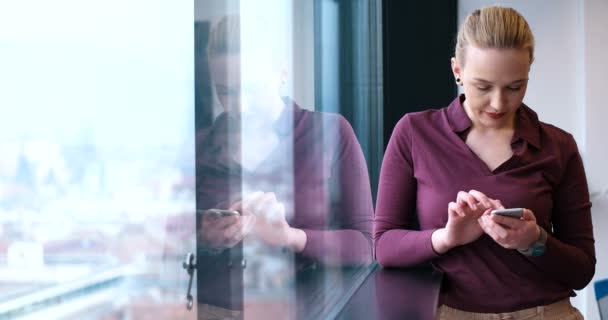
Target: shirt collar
527,125
457,118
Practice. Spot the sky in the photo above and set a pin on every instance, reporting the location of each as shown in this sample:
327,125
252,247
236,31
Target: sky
120,70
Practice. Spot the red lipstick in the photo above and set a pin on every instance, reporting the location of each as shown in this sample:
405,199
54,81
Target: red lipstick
496,115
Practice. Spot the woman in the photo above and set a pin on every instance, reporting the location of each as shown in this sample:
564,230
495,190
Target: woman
297,178
489,151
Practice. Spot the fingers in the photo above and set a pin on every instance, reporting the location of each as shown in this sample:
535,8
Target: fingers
237,206
510,233
493,229
232,242
496,204
528,215
456,209
224,231
508,222
483,222
514,223
218,223
261,204
237,231
261,214
480,197
277,213
233,230
265,204
253,195
477,200
464,197
473,202
251,200
248,222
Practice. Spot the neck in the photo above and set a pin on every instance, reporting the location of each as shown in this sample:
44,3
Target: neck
266,118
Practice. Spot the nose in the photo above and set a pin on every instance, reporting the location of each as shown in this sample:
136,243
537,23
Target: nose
499,101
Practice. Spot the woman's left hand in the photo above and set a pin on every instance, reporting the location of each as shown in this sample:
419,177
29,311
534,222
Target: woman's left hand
271,225
511,233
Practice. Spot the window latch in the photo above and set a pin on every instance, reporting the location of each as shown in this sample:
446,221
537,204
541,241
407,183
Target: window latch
190,266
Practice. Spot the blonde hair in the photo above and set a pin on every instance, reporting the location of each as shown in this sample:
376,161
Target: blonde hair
494,27
225,37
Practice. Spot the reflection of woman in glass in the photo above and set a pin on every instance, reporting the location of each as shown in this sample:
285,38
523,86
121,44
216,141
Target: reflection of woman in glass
297,178
489,151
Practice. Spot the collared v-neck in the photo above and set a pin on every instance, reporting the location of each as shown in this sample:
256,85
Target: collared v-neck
426,164
526,130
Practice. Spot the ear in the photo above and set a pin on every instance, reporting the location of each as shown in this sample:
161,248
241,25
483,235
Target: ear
456,68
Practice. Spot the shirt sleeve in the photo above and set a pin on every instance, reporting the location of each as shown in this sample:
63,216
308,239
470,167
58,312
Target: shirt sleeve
570,252
397,242
348,239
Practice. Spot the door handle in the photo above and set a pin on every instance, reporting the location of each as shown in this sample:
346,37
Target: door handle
190,266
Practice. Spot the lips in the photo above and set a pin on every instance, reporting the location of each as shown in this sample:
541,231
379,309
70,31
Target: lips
496,115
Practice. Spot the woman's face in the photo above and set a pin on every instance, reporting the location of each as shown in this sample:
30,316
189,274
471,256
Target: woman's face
243,87
495,82
226,77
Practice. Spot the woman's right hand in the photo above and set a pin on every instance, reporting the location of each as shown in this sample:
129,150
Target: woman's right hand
463,226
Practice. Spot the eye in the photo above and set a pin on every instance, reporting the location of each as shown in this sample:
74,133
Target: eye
482,88
514,88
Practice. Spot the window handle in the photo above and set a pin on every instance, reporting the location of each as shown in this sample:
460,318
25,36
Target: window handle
190,266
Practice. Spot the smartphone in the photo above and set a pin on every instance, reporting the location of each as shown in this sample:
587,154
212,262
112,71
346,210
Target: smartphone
513,212
220,212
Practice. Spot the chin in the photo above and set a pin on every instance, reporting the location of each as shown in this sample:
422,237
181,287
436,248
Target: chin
495,123
235,110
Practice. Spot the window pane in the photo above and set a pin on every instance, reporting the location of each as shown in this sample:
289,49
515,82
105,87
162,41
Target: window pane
96,176
279,149
128,142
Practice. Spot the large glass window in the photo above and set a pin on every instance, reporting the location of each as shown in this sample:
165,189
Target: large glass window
212,151
97,158
291,86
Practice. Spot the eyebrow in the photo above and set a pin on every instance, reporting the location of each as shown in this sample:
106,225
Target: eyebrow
490,82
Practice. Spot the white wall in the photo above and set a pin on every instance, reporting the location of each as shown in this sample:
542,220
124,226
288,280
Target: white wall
566,88
596,131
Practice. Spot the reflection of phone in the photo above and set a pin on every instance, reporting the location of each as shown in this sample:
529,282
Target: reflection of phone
513,212
220,212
